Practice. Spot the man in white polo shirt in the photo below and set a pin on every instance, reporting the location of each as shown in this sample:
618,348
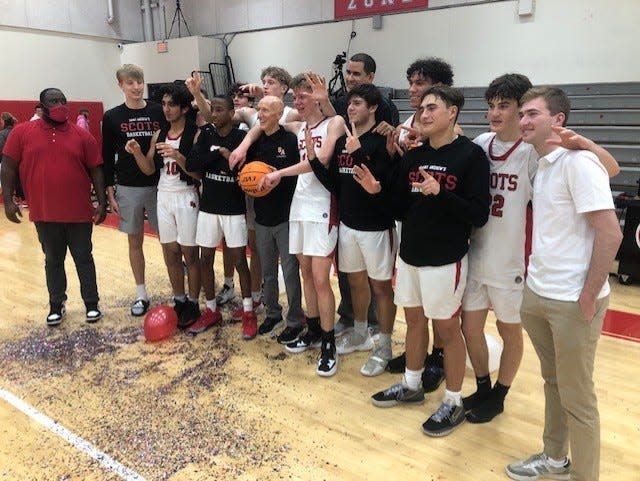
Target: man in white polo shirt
575,238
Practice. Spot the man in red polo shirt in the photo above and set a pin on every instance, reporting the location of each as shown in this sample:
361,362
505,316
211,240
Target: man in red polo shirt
57,162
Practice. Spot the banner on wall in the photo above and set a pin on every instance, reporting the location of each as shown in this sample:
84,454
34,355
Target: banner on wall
366,8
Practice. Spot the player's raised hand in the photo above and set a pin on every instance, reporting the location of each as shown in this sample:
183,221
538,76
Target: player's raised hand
353,142
132,146
318,85
365,178
194,83
253,90
384,128
412,138
393,147
429,186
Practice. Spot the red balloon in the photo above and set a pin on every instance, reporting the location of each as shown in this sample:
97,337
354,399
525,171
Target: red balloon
160,323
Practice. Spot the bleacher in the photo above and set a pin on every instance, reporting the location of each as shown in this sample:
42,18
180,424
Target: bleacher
608,113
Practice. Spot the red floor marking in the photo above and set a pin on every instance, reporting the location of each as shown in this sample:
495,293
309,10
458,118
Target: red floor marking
623,325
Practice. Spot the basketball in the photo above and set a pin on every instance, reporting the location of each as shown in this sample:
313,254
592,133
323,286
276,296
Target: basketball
160,323
250,175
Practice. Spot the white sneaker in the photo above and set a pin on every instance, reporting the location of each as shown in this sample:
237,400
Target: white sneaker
225,295
353,341
377,362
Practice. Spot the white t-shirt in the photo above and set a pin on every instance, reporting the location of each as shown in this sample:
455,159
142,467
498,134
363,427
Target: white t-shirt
568,184
169,174
311,201
496,250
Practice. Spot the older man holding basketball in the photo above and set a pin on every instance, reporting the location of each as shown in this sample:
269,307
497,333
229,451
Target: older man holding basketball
278,148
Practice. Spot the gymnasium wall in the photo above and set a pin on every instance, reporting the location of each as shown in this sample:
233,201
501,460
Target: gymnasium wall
566,41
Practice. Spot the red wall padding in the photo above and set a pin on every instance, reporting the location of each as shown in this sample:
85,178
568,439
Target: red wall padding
23,110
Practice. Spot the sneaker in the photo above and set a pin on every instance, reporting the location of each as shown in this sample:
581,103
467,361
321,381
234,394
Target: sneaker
397,394
433,373
398,364
446,418
206,320
475,400
249,325
377,362
269,325
536,467
258,306
309,340
225,295
328,362
289,335
343,326
236,315
56,314
93,315
353,341
139,307
486,411
190,314
178,306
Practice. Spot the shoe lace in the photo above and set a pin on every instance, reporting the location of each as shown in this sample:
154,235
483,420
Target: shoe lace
395,390
443,412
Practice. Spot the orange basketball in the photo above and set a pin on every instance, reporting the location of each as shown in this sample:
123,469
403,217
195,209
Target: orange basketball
250,175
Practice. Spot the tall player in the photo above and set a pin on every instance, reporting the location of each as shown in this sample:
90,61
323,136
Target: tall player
135,192
496,277
178,198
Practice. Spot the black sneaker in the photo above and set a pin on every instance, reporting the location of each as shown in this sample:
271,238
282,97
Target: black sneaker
269,325
178,306
139,307
190,314
289,335
309,340
446,418
328,362
486,411
397,394
433,373
56,314
93,314
475,400
398,364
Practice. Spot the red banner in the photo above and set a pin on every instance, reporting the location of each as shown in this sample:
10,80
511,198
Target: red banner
367,8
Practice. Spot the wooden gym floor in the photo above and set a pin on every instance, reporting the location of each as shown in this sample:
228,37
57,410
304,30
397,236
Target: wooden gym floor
97,402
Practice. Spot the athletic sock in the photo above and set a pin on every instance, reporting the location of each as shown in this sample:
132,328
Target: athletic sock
500,391
483,391
141,292
454,396
384,340
247,304
360,328
181,298
412,379
211,304
556,463
483,384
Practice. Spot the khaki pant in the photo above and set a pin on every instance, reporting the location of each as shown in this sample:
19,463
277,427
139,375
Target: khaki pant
566,345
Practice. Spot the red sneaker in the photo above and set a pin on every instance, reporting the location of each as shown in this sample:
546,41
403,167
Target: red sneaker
249,325
206,320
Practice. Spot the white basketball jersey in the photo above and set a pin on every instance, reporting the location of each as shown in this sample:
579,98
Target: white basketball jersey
169,174
406,123
282,121
496,250
311,201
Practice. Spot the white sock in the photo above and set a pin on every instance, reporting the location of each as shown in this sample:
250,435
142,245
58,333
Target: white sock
555,463
180,298
247,304
195,301
412,379
360,328
256,295
211,304
384,340
455,397
229,281
141,292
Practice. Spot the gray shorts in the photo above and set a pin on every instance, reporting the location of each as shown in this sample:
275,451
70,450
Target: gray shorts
133,202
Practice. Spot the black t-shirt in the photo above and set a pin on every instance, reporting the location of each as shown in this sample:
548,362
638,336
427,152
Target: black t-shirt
436,228
119,125
221,193
358,209
279,150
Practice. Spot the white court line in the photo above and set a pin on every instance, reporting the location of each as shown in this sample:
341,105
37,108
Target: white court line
81,444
